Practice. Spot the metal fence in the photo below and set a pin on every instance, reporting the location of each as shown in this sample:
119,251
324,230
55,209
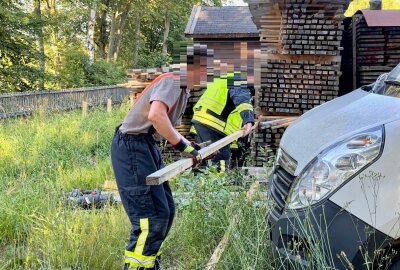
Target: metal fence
16,104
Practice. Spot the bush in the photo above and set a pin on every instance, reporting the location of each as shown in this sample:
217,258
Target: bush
72,71
153,59
105,73
76,72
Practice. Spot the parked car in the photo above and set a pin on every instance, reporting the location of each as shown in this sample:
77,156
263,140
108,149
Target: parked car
336,183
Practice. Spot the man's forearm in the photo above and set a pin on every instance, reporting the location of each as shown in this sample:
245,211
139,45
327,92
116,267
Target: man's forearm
158,116
163,126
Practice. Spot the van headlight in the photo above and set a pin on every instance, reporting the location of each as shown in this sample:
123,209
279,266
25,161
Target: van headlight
334,166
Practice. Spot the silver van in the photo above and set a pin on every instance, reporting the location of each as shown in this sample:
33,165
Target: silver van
336,183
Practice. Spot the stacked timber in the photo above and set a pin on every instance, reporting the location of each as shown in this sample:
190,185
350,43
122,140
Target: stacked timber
377,49
267,139
299,61
264,145
145,75
183,128
291,87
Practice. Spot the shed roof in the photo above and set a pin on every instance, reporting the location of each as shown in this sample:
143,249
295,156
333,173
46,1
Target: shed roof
382,18
221,22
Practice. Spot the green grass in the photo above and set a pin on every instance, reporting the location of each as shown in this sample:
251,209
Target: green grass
45,156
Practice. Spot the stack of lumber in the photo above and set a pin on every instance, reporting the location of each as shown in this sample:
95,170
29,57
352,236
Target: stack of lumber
183,128
236,55
292,87
145,75
299,61
267,138
307,32
377,49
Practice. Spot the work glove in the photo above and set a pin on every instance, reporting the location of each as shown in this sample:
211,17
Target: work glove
199,146
188,151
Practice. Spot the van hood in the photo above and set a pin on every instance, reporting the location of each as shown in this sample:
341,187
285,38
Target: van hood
334,121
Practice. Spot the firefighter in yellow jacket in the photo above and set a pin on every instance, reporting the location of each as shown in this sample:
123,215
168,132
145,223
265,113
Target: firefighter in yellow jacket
224,108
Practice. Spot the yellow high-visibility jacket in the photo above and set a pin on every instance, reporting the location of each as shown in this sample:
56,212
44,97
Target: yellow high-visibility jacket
225,105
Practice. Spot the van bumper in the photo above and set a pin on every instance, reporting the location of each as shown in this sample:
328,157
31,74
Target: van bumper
313,238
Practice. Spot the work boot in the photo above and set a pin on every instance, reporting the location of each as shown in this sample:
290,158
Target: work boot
158,263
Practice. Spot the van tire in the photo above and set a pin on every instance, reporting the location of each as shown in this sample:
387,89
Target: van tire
395,264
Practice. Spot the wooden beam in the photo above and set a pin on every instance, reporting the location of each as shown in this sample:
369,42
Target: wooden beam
272,123
179,166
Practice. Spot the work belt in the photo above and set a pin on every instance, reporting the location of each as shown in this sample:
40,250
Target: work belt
134,137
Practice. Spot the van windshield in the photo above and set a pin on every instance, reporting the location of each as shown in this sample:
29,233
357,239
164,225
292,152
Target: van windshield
394,76
388,84
392,90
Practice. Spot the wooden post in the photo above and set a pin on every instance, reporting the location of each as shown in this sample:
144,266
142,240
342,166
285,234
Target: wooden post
84,108
109,105
132,97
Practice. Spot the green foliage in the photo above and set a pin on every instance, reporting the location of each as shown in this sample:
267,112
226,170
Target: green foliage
76,72
46,156
72,71
208,206
105,73
17,51
64,24
155,59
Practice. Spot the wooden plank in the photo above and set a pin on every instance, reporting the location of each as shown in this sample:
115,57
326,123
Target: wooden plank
272,123
175,168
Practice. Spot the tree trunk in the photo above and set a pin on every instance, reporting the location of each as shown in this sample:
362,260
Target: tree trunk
113,28
167,23
121,27
39,32
90,33
102,26
51,6
137,40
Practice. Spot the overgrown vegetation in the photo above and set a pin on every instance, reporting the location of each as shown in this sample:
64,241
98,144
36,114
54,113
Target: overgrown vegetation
44,157
56,44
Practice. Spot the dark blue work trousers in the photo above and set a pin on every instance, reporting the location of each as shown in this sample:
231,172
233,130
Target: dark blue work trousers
133,158
206,133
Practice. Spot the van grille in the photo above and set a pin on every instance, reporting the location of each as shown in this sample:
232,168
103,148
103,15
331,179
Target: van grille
279,189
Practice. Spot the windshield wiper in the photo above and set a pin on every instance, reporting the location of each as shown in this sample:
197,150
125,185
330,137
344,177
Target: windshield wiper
393,82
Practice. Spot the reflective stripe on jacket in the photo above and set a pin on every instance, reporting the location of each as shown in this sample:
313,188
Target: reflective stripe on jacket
225,105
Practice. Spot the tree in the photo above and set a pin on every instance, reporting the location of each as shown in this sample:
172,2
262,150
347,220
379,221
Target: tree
18,60
120,11
101,36
90,32
39,34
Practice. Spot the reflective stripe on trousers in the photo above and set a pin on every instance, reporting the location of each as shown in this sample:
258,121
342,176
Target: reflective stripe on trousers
150,208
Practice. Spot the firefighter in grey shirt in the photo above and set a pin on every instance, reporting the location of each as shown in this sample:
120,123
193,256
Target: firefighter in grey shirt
135,155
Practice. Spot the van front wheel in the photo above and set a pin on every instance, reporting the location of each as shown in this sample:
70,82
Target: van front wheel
395,263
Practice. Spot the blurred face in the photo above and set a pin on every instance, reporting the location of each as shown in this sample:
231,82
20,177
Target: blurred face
195,71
